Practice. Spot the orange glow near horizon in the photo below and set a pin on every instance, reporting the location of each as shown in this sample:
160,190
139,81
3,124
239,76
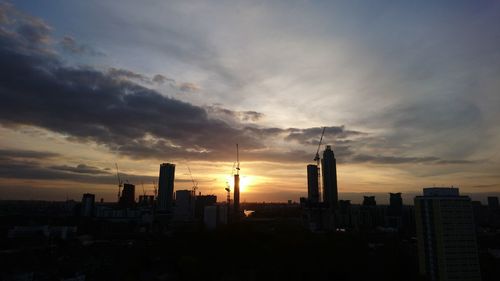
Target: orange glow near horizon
245,183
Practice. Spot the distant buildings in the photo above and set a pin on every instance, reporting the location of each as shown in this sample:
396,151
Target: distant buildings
166,186
201,202
146,200
127,199
329,172
395,210
493,203
395,204
184,205
317,215
446,235
369,201
312,184
88,202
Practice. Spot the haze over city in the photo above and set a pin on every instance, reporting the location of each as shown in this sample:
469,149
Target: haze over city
408,92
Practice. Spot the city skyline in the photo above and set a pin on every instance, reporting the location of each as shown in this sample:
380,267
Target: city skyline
408,93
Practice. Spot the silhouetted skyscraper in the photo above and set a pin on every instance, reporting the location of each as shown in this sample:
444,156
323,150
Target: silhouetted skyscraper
88,202
236,203
312,184
446,235
329,172
184,205
127,199
369,201
493,202
166,186
395,204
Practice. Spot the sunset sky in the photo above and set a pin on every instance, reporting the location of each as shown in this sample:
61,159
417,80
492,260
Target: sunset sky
409,92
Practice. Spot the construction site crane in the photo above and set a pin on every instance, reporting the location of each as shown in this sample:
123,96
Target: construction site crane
120,183
236,188
155,190
195,183
237,160
318,160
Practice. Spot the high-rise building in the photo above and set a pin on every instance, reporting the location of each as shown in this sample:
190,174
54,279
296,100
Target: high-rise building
394,211
236,194
493,202
447,246
166,186
329,172
146,200
395,204
88,202
312,184
127,199
184,205
201,202
369,201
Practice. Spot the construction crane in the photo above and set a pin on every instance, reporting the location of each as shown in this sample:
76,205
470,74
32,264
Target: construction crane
237,160
195,183
236,191
317,159
155,189
120,183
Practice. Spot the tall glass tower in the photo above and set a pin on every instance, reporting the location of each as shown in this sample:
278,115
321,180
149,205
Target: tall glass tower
166,186
329,172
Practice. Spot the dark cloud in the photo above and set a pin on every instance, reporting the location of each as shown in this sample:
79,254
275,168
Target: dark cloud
28,32
251,116
111,109
17,153
312,135
119,73
392,159
89,105
161,79
486,185
232,115
70,45
36,171
81,169
382,159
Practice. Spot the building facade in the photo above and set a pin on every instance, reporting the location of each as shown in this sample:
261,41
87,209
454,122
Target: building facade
127,199
329,172
312,184
166,187
88,203
446,235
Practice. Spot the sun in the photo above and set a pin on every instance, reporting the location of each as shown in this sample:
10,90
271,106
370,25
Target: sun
245,183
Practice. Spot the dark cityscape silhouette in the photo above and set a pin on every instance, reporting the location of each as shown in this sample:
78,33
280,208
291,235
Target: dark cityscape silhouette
130,147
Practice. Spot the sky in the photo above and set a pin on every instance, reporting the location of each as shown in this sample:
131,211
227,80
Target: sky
409,93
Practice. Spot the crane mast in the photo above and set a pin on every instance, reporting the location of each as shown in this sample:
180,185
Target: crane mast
317,159
195,183
236,192
119,181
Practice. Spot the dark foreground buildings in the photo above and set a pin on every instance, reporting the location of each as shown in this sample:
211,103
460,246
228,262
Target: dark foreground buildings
312,184
320,215
329,171
166,187
446,236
